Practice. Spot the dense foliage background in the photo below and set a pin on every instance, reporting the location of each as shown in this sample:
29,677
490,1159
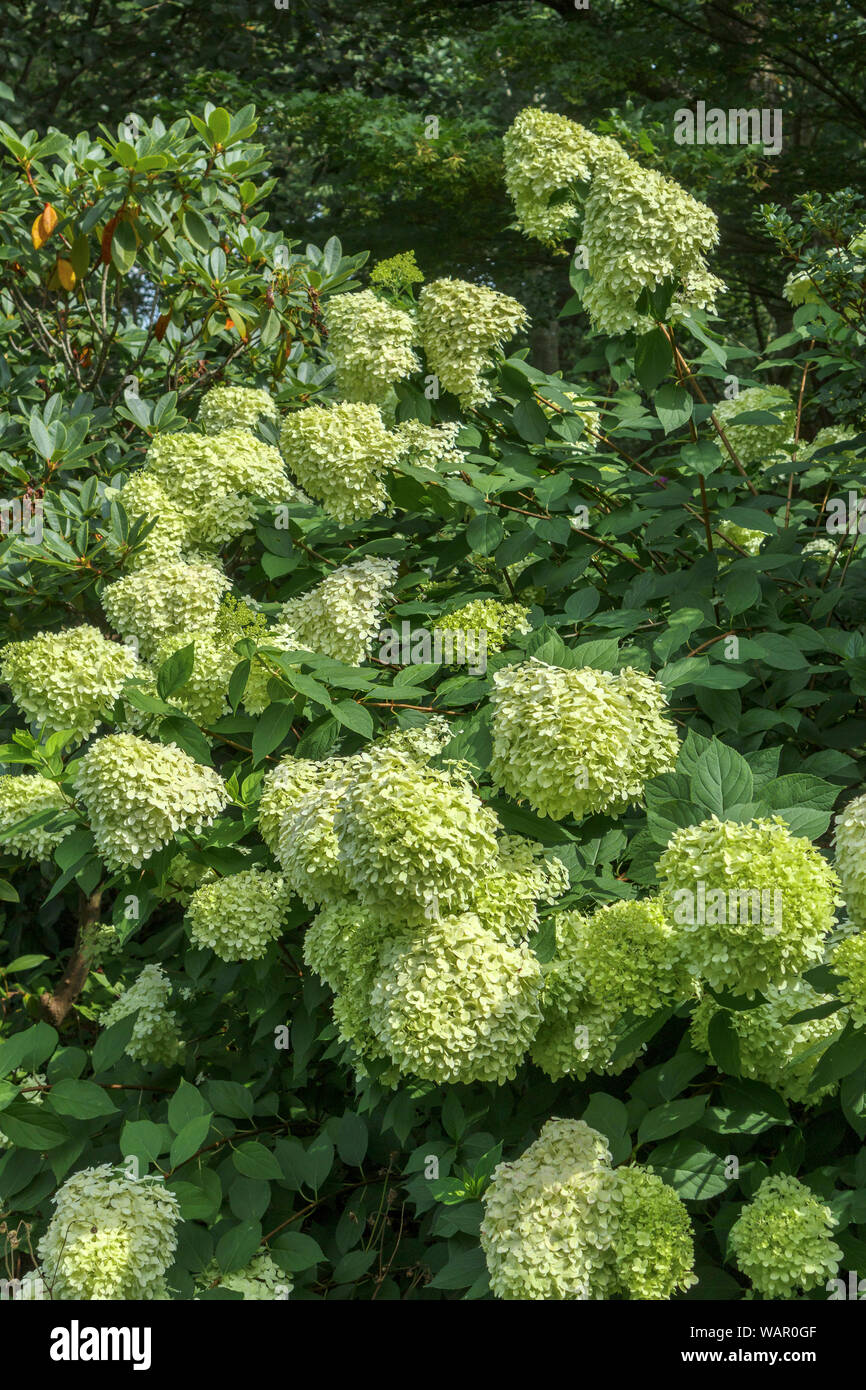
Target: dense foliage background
142,263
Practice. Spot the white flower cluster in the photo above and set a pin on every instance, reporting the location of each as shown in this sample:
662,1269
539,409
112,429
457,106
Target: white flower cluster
425,910
759,443
23,796
371,343
545,154
561,1223
462,328
234,407
111,1237
430,446
640,229
212,479
68,679
155,1040
139,794
260,1279
165,601
339,453
240,915
341,615
575,742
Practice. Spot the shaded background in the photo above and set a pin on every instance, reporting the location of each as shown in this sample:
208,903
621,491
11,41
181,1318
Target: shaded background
345,94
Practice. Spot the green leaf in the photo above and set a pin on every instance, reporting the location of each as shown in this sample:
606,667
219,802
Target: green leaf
238,1246
669,1119
186,1104
694,1172
123,248
27,1049
297,1251
484,533
653,359
724,1043
352,1139
81,1099
174,673
31,1126
189,1140
673,406
530,422
845,1055
272,727
255,1160
721,778
355,717
111,1044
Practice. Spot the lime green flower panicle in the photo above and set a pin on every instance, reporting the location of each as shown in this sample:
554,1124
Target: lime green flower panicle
111,1237
155,603
458,1004
234,407
339,453
757,443
753,903
155,1039
850,859
575,742
68,679
782,1241
25,795
139,794
240,915
463,326
371,343
560,1223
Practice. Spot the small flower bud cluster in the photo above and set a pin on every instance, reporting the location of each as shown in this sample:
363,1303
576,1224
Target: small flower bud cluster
155,1040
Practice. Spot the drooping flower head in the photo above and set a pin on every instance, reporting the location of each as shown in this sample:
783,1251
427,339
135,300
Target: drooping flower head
622,960
25,795
68,679
457,1003
234,407
342,614
772,1049
214,478
371,343
338,453
561,1223
155,1038
545,154
164,601
463,326
240,915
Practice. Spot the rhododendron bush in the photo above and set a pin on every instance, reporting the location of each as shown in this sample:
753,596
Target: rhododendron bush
431,807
